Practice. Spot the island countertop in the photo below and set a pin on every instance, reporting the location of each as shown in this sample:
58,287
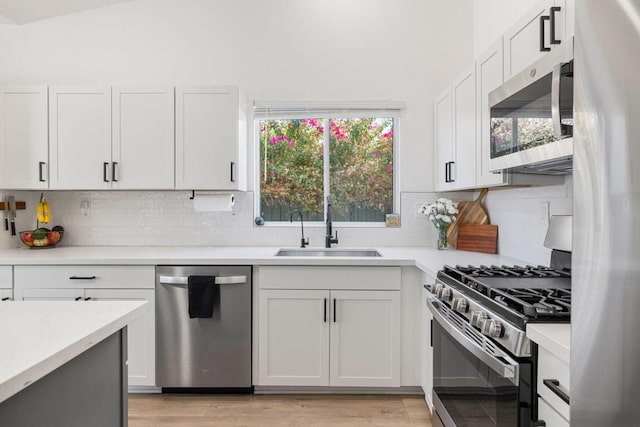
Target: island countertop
40,336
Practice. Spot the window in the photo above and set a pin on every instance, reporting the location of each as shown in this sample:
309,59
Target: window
306,158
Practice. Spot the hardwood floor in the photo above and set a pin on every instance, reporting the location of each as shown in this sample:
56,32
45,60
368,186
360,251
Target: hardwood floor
146,410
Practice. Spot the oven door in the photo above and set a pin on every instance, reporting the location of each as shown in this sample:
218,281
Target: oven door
475,383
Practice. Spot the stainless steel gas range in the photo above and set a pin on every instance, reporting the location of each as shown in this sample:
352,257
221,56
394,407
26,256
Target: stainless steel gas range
484,366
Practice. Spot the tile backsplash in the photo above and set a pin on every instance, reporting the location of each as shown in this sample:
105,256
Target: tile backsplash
519,214
167,218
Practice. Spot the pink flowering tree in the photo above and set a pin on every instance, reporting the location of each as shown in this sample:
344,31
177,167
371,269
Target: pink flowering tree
361,167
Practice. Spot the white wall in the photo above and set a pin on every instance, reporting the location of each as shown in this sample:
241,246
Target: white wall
404,50
491,18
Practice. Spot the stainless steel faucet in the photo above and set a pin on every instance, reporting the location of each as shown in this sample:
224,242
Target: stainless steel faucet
303,242
329,239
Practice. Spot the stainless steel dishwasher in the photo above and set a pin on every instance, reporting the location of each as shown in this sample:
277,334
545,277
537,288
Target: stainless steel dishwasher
203,354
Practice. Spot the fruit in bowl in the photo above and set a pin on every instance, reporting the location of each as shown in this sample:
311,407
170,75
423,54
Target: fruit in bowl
42,237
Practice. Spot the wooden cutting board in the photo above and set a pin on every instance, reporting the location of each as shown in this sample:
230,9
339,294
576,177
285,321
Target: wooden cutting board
478,238
468,213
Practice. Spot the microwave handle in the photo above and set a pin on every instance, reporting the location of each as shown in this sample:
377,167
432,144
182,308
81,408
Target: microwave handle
555,101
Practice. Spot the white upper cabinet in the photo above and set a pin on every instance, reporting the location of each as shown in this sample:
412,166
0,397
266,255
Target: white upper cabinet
489,75
538,33
80,137
455,134
143,138
463,170
23,137
210,138
443,135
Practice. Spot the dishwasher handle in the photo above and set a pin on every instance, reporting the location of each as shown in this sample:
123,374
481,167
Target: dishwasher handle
220,280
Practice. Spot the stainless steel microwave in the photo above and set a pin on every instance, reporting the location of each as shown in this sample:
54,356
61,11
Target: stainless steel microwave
532,120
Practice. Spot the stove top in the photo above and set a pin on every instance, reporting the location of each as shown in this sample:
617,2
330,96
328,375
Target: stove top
520,294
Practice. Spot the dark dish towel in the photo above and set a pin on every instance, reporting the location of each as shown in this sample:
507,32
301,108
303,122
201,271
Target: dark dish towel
202,291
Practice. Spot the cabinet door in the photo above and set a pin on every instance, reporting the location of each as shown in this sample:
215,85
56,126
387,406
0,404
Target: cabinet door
6,295
294,338
443,140
143,138
141,339
80,138
365,338
50,294
463,171
522,43
426,352
23,137
489,75
207,138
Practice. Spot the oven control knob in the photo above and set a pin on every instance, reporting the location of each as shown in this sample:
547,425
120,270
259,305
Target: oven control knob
446,294
492,328
437,290
478,318
460,305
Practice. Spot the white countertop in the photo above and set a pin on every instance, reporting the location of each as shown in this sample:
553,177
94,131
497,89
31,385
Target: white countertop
40,336
429,260
555,337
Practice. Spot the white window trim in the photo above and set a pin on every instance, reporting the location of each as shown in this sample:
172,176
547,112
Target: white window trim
287,110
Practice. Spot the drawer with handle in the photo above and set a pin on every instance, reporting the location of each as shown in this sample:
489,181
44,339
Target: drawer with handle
85,276
553,381
549,416
6,277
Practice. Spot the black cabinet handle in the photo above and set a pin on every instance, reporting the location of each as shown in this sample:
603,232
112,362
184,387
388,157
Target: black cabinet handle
232,166
78,298
538,423
334,310
6,299
325,310
87,299
446,172
543,48
82,277
554,386
40,173
451,174
113,171
105,166
552,37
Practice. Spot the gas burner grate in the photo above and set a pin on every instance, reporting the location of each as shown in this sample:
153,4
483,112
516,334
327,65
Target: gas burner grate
511,271
519,293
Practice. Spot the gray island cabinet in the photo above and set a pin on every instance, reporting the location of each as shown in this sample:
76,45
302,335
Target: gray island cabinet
65,363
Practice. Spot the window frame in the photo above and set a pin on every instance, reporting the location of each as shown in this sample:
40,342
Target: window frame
326,116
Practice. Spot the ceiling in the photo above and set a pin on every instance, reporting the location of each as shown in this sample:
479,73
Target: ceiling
24,11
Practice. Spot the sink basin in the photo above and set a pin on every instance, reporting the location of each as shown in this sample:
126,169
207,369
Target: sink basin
329,252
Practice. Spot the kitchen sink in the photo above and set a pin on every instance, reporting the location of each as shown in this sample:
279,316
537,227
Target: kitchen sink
329,252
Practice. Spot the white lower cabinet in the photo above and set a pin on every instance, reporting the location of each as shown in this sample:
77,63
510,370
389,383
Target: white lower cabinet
141,338
6,295
329,338
549,415
365,338
87,283
294,337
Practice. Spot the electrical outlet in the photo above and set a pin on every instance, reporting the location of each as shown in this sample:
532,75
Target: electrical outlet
543,211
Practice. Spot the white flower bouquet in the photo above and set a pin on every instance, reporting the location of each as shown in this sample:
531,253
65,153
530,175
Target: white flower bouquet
441,213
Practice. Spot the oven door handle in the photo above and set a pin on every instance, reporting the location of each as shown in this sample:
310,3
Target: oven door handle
508,371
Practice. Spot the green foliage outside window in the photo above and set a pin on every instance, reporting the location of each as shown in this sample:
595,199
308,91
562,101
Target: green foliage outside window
360,168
